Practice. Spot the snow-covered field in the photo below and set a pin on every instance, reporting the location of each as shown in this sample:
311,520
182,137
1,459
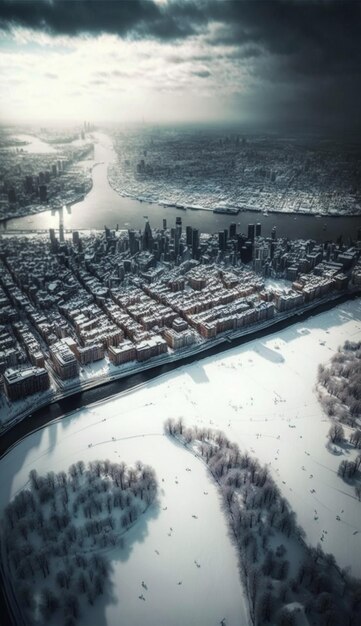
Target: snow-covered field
263,396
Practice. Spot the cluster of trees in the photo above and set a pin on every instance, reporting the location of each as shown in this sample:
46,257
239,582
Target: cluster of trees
349,469
341,379
339,391
259,516
53,533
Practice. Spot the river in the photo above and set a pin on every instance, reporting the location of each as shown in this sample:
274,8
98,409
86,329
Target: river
104,206
34,145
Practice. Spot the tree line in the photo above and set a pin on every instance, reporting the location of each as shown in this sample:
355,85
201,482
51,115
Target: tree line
266,534
56,531
339,391
340,384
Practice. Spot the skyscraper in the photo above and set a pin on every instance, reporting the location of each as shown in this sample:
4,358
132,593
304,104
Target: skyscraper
43,193
133,243
222,239
232,231
195,243
251,232
147,237
178,223
189,235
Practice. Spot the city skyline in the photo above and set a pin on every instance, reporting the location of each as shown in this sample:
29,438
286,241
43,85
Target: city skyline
280,64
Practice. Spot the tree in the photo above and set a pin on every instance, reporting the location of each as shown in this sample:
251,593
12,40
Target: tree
355,438
336,433
98,585
342,468
283,570
286,618
347,469
180,425
48,603
63,579
268,563
265,607
43,562
253,581
82,583
283,592
324,602
170,427
34,479
26,596
71,605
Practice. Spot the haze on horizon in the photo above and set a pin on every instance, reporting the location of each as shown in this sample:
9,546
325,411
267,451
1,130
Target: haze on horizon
272,63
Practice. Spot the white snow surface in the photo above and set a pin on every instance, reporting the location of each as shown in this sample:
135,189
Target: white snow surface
262,395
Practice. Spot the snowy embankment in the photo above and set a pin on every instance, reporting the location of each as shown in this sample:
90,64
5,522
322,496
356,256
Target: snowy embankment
262,395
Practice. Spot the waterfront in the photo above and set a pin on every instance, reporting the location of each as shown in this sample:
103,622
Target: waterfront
271,418
76,397
104,206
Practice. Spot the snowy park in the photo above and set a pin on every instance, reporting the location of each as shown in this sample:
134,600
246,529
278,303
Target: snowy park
263,396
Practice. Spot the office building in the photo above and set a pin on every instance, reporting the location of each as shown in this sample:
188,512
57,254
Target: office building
20,383
251,232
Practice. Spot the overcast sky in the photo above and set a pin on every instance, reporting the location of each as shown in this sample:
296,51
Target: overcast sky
263,62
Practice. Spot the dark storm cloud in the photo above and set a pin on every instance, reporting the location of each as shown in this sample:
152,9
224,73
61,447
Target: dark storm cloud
305,54
138,18
313,35
316,35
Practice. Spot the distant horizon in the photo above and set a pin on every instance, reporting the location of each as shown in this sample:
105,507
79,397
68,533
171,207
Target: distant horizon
220,126
281,64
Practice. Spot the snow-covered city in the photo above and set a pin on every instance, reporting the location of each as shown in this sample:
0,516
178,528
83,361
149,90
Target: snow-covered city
180,313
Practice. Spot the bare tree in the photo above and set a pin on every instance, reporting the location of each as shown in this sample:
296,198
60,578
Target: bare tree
336,433
48,603
355,438
71,605
286,618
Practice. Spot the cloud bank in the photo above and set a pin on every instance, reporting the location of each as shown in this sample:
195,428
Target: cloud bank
294,62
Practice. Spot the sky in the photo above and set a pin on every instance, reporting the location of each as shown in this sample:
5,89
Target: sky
268,63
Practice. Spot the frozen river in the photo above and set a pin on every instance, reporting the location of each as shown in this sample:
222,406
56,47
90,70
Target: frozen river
263,396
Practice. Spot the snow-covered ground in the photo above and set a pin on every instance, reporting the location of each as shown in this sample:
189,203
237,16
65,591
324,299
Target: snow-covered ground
263,396
181,550
15,411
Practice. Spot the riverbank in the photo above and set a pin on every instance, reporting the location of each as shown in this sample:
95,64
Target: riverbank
240,209
261,395
103,205
77,396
